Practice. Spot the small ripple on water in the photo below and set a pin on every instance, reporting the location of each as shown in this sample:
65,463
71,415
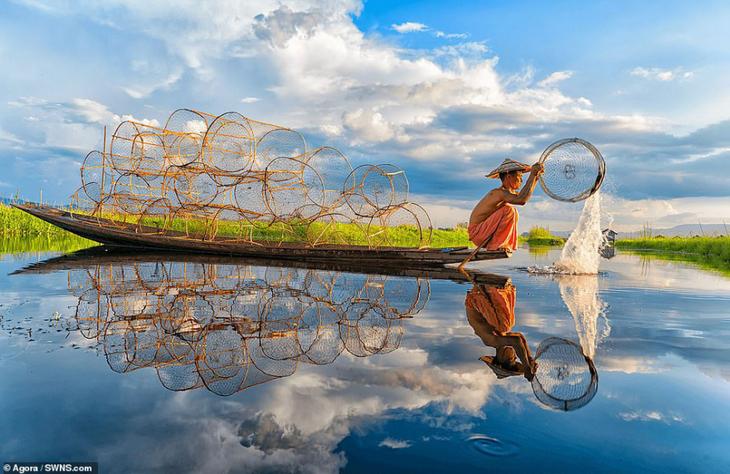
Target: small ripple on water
492,446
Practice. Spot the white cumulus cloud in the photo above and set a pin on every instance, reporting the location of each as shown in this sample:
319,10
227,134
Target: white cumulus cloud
663,75
408,27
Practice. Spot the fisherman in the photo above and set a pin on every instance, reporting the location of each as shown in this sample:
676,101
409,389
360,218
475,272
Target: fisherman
493,222
491,313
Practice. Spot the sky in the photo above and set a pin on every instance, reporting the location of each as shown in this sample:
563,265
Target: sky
445,90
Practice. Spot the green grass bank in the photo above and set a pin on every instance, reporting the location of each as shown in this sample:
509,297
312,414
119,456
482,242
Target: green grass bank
541,237
708,252
21,233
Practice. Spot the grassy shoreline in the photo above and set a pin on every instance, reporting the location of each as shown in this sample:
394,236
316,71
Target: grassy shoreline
708,252
22,233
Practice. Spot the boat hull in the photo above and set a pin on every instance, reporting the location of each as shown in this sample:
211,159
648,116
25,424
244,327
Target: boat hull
127,236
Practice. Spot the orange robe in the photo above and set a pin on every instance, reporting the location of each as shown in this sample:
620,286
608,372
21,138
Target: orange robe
501,225
498,308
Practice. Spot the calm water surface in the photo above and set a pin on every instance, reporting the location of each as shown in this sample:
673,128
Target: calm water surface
200,366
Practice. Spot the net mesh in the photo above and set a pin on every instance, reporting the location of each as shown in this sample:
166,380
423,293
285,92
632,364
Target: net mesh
565,379
573,170
230,177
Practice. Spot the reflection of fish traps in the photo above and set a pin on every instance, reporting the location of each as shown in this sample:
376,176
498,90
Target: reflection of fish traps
132,303
368,335
318,334
179,376
280,318
395,298
92,313
223,360
267,365
256,179
228,327
131,344
188,316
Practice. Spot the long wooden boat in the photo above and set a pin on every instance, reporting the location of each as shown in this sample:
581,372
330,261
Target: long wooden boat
118,234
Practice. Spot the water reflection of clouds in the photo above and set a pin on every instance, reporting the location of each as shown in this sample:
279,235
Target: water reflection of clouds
651,415
656,274
297,420
434,379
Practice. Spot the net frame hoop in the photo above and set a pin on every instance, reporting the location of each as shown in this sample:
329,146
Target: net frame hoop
270,187
558,403
208,138
85,179
597,155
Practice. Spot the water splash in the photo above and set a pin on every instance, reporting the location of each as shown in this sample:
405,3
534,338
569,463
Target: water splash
580,254
580,295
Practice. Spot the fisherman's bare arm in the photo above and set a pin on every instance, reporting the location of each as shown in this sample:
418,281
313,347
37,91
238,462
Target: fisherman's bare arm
521,198
518,341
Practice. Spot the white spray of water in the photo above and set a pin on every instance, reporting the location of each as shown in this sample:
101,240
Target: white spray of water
580,295
576,271
580,254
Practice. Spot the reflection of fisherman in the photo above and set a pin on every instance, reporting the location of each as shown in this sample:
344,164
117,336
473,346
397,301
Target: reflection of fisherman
491,312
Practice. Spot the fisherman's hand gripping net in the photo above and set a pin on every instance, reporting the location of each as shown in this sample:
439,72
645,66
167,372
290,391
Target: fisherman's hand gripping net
205,177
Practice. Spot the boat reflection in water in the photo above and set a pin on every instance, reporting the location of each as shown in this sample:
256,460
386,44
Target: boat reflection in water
227,327
563,377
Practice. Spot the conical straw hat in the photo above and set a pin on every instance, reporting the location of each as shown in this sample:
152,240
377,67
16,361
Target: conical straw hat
507,166
498,370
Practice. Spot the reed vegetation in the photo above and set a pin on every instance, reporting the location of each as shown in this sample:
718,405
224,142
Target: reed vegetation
20,233
16,223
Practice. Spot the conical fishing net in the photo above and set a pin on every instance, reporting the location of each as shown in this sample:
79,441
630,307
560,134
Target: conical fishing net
574,170
565,378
